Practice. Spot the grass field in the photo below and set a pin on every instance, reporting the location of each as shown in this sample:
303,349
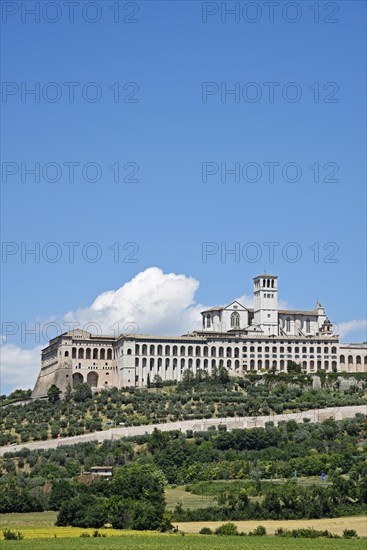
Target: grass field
187,542
188,500
40,525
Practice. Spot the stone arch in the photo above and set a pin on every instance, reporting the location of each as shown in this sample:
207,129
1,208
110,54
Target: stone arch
92,379
77,379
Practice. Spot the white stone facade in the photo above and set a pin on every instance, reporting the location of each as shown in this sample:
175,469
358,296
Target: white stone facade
238,338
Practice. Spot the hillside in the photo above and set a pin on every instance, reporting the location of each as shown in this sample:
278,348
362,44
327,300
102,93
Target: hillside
195,398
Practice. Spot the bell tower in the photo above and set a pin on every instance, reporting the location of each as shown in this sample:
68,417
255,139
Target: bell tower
266,303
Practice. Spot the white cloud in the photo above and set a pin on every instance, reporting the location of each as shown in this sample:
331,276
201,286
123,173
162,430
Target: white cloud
157,302
19,367
351,326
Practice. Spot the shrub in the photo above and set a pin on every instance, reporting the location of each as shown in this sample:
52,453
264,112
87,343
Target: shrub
206,531
12,535
227,529
349,533
259,531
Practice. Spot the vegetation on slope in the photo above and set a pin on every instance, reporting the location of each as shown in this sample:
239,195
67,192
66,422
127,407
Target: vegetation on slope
197,397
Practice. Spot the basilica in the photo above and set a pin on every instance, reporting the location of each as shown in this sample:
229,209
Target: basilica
239,338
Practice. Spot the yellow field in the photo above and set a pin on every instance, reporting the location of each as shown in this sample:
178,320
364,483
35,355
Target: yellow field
40,525
334,525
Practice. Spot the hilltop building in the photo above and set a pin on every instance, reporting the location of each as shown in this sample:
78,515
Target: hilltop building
239,338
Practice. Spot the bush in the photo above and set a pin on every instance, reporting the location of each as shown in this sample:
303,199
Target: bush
12,535
227,529
205,531
259,531
349,533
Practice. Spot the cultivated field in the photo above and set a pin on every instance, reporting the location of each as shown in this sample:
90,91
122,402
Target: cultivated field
40,526
187,542
334,525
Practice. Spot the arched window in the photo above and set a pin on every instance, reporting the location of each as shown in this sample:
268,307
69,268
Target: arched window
252,364
308,325
129,351
66,354
333,364
182,364
214,351
167,350
136,361
326,365
208,321
235,320
229,352
80,353
281,349
137,351
182,350
236,352
167,363
274,364
289,349
206,351
304,350
174,350
151,363
109,354
264,282
350,359
174,363
189,351
198,363
190,363
151,350
159,362
144,349
312,364
144,362
228,364
288,325
312,350
259,349
103,353
221,352
296,349
358,359
282,364
342,359
267,349
259,364
95,353
268,283
319,364
333,350
318,350
205,363
73,353
159,350
87,353
213,363
252,349
266,363
197,351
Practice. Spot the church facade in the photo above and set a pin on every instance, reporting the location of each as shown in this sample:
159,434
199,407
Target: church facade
238,338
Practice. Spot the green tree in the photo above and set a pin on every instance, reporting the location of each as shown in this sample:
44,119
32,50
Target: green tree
82,392
53,394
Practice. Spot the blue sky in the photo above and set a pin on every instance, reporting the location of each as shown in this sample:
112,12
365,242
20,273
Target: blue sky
168,133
